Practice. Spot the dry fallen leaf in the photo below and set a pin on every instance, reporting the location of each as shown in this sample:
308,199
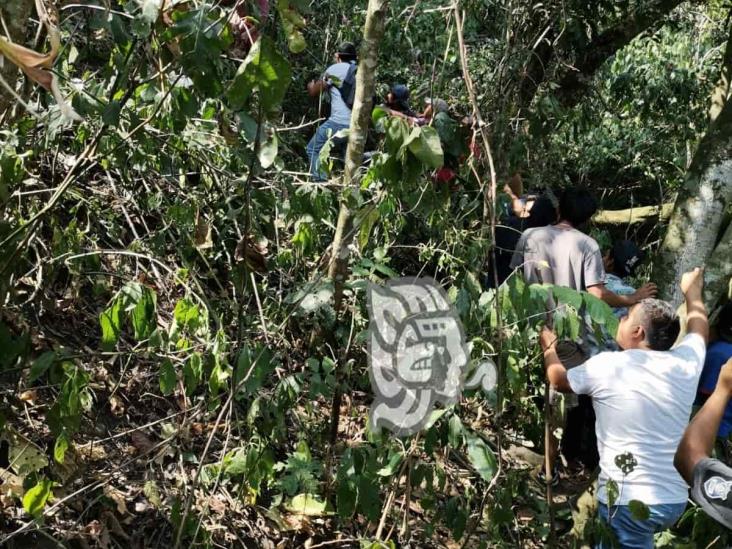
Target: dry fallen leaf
118,497
116,405
253,253
141,442
28,396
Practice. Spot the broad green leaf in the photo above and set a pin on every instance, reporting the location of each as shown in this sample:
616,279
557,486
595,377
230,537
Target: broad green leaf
424,143
306,504
265,70
366,222
111,322
346,497
568,296
392,466
268,152
41,365
455,431
192,373
481,456
60,447
143,315
167,377
601,313
35,499
187,314
639,510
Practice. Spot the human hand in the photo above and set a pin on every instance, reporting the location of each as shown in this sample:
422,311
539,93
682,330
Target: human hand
725,378
547,338
644,292
692,282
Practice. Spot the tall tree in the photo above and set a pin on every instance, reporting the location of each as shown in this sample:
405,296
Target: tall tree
699,213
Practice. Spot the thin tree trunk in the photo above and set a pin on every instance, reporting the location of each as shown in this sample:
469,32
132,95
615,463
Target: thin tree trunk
360,119
365,87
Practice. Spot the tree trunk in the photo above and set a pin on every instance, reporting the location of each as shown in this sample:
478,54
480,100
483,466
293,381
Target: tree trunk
699,211
360,119
16,14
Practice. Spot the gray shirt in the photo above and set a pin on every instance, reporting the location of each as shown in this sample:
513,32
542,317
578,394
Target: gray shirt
559,255
335,75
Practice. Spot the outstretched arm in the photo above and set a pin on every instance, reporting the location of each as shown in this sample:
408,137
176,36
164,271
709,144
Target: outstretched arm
556,373
616,300
698,440
692,285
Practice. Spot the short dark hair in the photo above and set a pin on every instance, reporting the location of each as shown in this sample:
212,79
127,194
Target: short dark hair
724,322
660,323
577,205
347,52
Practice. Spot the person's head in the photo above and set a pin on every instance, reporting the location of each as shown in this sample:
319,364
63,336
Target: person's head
346,52
724,323
623,258
576,206
398,97
650,324
542,213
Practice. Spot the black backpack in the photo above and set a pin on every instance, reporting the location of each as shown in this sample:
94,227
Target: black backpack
348,87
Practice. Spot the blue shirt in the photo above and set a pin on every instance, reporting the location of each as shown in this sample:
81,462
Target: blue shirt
718,353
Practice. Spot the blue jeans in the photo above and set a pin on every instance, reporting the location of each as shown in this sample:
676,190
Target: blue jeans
634,534
325,131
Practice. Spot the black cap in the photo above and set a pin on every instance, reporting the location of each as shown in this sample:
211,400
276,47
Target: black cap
626,257
347,49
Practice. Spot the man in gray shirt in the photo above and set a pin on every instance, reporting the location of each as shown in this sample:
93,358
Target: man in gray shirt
340,112
561,254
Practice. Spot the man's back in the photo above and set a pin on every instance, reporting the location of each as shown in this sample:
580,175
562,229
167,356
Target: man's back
642,401
559,255
336,75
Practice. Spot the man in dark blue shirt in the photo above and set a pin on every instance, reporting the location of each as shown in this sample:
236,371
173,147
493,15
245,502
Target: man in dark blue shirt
719,352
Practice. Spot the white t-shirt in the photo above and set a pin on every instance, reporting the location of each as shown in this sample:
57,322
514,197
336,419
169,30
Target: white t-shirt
642,400
335,76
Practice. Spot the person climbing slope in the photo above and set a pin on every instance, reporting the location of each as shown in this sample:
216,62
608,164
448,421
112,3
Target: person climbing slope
340,81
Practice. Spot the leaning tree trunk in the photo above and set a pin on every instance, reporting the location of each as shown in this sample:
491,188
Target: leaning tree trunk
365,87
700,206
16,15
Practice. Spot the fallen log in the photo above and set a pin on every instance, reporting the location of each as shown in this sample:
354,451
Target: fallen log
633,215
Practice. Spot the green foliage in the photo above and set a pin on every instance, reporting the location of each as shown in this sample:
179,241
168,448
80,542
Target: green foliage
35,499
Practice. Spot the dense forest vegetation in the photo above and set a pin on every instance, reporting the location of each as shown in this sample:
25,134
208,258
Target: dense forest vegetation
183,316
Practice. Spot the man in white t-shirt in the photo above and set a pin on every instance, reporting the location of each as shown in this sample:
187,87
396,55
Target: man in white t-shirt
642,398
340,113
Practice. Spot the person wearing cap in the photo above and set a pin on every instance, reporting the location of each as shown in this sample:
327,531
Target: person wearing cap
397,103
340,113
718,353
620,262
710,479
